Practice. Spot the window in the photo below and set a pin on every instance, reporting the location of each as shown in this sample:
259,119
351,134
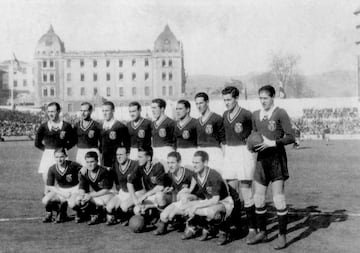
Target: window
82,63
121,91
44,78
107,76
15,83
107,63
164,91
171,91
147,91
94,77
163,63
133,76
68,63
68,77
133,62
70,107
146,62
52,78
24,83
170,76
108,91
45,92
163,76
121,76
44,64
51,64
146,76
82,77
120,63
95,91
170,63
134,91
82,91
94,64
52,92
69,91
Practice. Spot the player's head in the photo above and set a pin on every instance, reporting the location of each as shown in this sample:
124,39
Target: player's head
108,109
53,111
174,161
86,110
158,106
266,96
135,110
182,109
202,102
121,155
230,95
200,160
91,159
145,155
60,156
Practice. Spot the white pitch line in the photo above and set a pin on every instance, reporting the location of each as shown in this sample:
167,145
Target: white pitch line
19,219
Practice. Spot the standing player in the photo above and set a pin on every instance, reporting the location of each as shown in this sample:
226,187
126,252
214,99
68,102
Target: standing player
275,126
94,190
139,130
121,172
210,131
113,134
239,162
88,133
185,132
62,182
180,189
51,135
162,131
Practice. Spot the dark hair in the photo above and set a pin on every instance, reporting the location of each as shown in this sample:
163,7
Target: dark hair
135,103
88,104
176,155
233,91
148,151
202,95
60,150
161,102
58,107
204,156
111,104
122,146
269,89
185,103
92,154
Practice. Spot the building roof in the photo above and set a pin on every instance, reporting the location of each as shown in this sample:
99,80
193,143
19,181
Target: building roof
51,39
108,53
167,41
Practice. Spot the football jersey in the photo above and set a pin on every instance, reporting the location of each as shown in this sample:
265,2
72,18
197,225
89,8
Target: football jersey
140,133
211,185
89,136
101,180
151,177
121,175
55,138
237,128
64,179
163,132
185,134
210,131
184,181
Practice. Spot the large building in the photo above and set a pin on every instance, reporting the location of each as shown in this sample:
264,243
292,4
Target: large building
71,77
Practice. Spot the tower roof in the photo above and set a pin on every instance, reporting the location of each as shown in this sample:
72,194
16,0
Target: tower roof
50,40
167,41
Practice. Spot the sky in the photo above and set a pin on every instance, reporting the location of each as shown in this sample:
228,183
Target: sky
227,38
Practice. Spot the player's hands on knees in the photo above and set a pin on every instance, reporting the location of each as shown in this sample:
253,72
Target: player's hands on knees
266,144
190,211
167,189
86,197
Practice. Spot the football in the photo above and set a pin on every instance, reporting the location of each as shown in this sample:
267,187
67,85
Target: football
137,223
254,139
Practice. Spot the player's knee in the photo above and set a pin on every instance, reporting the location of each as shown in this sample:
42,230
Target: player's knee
279,201
259,200
137,210
160,199
164,216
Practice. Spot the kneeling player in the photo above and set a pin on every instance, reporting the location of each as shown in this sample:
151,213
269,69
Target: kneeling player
62,183
154,180
180,191
94,190
215,205
121,172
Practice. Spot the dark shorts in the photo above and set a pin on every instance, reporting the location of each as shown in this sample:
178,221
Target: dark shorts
271,168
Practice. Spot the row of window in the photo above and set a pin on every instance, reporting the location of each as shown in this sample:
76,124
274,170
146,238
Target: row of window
48,78
121,77
48,64
48,92
164,63
24,82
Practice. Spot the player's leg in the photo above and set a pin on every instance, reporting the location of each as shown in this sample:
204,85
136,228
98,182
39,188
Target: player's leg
99,213
281,209
51,203
249,205
111,207
164,219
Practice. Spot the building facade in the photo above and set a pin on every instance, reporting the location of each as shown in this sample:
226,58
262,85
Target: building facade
71,77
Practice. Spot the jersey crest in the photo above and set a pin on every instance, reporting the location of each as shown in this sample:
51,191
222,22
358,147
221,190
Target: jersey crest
112,135
209,129
238,128
272,125
69,178
209,189
91,134
153,180
101,184
186,134
141,133
62,134
162,132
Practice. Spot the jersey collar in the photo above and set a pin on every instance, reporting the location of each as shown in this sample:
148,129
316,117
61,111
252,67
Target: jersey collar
55,126
203,180
93,179
87,127
158,122
126,166
136,125
205,118
182,124
179,179
108,124
62,173
236,113
266,114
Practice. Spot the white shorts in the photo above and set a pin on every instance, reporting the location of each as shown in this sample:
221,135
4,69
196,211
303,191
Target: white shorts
133,154
125,196
102,200
65,191
81,152
216,157
228,203
47,160
239,163
187,155
160,154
